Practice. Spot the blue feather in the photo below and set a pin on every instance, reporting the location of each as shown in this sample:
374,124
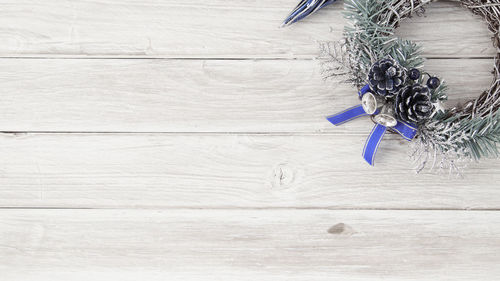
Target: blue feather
304,9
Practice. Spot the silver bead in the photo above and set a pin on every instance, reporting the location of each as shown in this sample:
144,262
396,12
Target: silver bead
372,103
386,116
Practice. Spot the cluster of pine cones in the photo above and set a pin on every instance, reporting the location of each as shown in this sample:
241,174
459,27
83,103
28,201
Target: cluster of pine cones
412,100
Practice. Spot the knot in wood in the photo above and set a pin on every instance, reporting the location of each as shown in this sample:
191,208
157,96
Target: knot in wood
283,176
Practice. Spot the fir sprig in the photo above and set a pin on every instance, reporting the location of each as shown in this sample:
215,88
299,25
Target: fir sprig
368,39
477,136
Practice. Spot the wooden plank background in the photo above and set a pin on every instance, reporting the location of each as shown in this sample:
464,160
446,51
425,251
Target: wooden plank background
186,140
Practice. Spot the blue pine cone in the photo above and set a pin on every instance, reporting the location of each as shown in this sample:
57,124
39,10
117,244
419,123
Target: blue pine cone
413,104
387,77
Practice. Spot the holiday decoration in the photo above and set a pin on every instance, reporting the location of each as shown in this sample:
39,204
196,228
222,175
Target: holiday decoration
399,95
305,8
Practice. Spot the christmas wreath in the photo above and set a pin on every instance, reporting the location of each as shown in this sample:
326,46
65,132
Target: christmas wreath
396,91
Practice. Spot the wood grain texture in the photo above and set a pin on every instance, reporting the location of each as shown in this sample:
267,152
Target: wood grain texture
228,171
139,95
186,140
248,245
217,28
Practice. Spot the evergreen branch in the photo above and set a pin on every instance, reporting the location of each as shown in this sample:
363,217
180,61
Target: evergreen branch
475,137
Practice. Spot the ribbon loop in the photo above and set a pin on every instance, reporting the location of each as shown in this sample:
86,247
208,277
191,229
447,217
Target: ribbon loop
407,131
363,91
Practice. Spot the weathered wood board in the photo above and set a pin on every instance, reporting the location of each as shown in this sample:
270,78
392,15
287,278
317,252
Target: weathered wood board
228,171
202,29
139,95
248,245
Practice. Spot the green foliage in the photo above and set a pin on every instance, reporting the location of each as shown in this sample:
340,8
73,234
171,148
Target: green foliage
407,53
477,136
370,38
439,94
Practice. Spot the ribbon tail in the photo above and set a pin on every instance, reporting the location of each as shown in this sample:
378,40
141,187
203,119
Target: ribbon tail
372,143
305,8
347,115
406,130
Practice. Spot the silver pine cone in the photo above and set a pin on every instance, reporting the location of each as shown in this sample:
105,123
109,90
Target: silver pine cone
413,104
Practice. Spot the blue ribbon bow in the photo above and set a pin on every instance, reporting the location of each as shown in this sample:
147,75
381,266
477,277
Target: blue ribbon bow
406,130
305,8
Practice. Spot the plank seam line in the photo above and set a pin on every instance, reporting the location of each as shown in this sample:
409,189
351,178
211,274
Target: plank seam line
55,133
305,58
255,208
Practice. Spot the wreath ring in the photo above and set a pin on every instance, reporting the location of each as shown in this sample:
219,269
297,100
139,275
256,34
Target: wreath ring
389,72
488,101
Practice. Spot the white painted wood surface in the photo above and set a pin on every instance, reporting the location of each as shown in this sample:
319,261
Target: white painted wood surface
216,28
109,95
228,171
248,245
186,140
